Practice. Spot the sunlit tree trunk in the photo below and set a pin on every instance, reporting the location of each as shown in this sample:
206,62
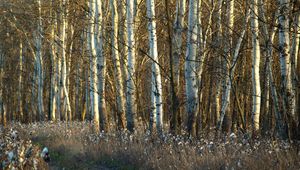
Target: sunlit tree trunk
93,66
288,94
156,92
256,91
280,126
295,46
226,62
117,68
101,65
20,103
64,92
176,54
53,86
190,69
39,63
295,59
218,43
130,88
228,87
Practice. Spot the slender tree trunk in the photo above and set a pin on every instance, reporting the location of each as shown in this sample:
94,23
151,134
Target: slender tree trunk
295,60
226,62
130,88
93,66
176,54
256,91
288,94
67,107
227,90
217,43
190,69
39,63
20,103
102,66
156,93
53,86
116,60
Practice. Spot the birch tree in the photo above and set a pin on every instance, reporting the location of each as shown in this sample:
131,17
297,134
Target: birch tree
226,61
228,87
156,93
101,60
53,85
93,66
288,94
217,43
130,88
117,68
64,92
20,103
256,91
176,54
39,62
190,69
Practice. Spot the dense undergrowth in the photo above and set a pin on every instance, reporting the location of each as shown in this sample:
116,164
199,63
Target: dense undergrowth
75,146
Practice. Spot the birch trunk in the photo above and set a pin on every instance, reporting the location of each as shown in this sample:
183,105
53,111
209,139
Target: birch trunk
20,103
64,92
295,47
39,63
228,88
176,54
93,66
280,126
190,69
54,80
130,88
295,60
217,44
227,63
256,91
116,59
102,66
156,93
285,67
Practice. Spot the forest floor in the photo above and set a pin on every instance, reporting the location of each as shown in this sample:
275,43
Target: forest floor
74,146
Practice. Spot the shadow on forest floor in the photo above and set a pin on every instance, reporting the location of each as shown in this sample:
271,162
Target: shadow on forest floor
76,147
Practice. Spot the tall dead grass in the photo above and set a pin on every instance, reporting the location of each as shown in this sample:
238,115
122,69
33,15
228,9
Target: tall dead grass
73,146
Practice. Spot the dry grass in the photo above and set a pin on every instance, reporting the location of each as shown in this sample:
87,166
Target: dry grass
75,147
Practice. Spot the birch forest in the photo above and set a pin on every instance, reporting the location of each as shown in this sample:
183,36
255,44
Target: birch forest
149,84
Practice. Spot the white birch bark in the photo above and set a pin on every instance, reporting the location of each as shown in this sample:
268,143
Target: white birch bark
156,93
190,68
101,65
177,38
64,92
39,63
227,90
53,85
226,60
116,59
20,103
93,66
217,43
285,65
295,48
256,90
130,88
176,54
